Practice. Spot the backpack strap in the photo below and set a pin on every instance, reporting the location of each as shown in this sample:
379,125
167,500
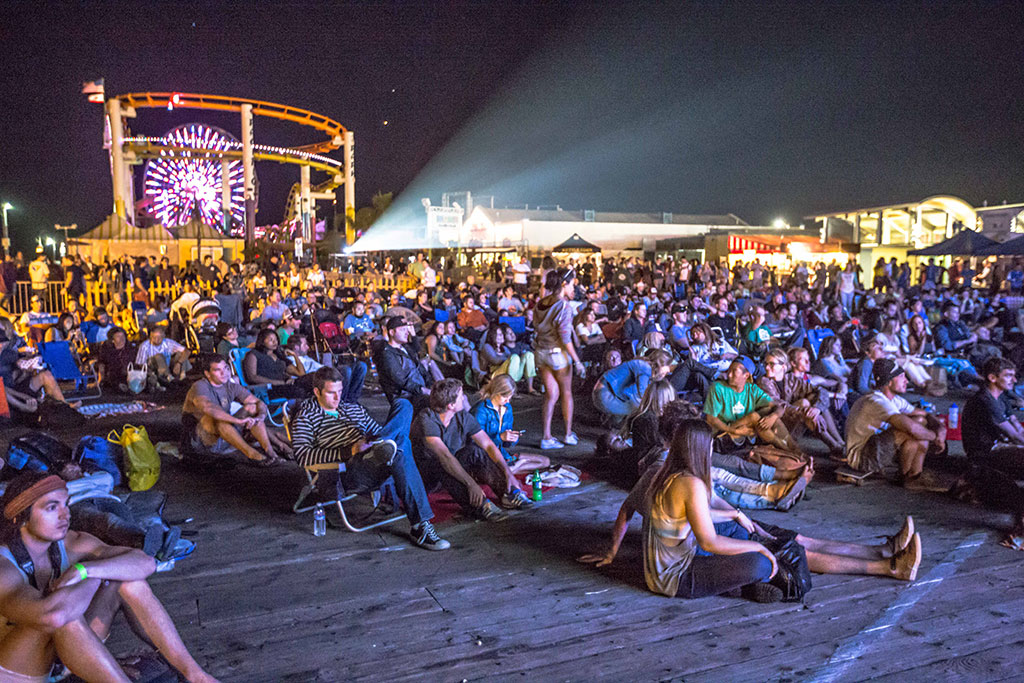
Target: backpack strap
28,567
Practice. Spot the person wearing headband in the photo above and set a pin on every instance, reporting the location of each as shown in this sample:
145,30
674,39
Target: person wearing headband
60,590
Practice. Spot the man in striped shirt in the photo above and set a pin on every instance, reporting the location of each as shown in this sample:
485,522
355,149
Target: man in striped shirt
327,430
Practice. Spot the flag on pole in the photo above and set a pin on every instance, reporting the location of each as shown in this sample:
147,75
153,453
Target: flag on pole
94,89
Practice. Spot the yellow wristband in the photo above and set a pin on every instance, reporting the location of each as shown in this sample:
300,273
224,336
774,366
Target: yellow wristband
83,573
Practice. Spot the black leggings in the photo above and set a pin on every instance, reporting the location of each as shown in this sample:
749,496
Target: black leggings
717,574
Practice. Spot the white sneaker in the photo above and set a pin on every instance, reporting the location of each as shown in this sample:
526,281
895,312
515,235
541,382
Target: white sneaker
571,439
548,444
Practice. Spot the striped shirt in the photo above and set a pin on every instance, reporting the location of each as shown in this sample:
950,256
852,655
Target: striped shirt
319,437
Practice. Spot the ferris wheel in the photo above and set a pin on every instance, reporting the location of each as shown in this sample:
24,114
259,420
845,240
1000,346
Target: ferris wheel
181,182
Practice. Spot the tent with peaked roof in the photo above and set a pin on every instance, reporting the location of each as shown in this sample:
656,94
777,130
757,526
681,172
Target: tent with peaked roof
116,237
196,239
1014,247
577,245
964,243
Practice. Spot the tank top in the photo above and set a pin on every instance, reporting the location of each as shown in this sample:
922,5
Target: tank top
5,625
663,563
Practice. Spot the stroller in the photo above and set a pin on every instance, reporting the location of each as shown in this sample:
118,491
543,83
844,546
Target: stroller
201,326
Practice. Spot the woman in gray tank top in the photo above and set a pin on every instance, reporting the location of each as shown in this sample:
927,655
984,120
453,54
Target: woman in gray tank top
554,351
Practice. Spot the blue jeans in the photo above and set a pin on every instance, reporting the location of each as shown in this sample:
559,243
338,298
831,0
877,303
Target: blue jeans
362,475
352,379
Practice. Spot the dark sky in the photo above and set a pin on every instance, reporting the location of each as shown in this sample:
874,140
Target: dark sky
752,108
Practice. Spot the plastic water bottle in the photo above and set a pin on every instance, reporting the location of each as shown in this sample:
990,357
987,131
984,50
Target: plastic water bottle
954,416
538,493
319,521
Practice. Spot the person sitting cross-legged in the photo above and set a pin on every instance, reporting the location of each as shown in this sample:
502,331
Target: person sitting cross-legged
60,591
741,413
326,430
884,427
212,427
452,450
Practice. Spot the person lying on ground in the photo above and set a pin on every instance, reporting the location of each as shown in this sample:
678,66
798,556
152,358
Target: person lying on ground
452,450
212,427
327,430
61,589
883,427
696,545
742,414
494,413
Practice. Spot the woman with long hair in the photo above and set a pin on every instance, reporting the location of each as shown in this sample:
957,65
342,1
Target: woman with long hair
618,391
696,545
640,429
556,355
499,359
494,413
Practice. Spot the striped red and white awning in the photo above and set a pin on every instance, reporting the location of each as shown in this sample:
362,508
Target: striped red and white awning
738,245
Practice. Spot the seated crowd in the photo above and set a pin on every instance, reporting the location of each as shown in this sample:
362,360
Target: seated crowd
711,386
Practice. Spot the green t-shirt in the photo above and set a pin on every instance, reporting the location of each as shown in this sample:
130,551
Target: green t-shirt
729,405
759,335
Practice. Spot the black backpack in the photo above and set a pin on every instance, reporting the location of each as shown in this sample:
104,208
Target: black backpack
794,575
36,452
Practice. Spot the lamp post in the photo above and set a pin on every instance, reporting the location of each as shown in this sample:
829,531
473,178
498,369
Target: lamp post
7,238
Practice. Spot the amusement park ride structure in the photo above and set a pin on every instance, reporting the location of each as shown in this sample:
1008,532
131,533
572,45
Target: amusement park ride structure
128,151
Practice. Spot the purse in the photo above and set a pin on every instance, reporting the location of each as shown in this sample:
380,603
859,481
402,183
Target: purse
794,575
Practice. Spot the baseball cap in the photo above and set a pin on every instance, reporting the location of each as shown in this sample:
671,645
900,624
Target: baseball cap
884,370
746,362
396,321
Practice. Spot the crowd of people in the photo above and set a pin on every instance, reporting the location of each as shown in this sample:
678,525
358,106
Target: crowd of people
710,387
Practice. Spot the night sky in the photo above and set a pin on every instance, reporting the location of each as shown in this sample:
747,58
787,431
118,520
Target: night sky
756,109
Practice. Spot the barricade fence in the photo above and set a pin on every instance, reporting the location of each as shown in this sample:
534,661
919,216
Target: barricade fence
99,293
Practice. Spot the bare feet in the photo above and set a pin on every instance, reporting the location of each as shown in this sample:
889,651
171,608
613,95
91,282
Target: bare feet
904,564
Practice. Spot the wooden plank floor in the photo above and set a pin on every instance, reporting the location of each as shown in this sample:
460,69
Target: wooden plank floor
262,599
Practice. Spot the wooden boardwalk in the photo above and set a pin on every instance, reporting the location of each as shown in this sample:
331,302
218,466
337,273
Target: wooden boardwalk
262,599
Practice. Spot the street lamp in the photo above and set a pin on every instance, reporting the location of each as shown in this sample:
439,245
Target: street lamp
7,238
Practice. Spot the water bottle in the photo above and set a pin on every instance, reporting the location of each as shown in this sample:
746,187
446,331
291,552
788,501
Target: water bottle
319,521
538,494
954,416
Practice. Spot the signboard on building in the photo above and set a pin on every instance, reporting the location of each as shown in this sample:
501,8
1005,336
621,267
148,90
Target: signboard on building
444,223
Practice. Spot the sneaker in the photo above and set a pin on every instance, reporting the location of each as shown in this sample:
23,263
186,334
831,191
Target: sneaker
761,592
548,444
380,453
424,535
515,500
489,512
571,439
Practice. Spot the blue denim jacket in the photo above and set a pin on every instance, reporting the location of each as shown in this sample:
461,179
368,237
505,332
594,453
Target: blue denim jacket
487,415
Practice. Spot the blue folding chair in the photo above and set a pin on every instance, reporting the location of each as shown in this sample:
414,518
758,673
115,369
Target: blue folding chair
814,338
59,359
516,322
275,407
440,315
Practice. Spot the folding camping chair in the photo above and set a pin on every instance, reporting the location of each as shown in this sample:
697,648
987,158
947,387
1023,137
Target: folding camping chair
814,338
313,472
58,358
275,407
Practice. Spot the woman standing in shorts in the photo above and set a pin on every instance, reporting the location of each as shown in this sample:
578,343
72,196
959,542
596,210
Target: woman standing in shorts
554,351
